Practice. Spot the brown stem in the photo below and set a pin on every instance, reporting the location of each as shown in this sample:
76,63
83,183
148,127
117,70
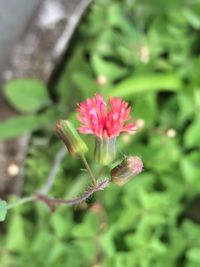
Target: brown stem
52,203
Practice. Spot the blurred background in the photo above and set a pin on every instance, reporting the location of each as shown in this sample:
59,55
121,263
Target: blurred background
56,53
14,15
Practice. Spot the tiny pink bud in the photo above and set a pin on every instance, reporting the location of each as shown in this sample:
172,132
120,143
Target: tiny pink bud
127,169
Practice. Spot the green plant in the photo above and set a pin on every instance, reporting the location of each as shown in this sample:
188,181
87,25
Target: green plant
147,52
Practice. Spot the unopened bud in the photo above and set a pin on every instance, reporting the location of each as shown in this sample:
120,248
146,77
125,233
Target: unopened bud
127,169
74,143
105,150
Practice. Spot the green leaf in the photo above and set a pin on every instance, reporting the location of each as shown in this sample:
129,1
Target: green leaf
57,252
107,240
153,82
107,68
149,113
86,229
194,255
158,246
26,95
3,210
20,125
60,226
16,233
193,18
191,137
85,83
189,167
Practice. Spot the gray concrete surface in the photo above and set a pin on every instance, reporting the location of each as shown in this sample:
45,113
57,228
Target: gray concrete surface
14,15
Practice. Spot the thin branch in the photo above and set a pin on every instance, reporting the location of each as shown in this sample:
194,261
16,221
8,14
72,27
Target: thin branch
48,183
52,203
20,202
54,170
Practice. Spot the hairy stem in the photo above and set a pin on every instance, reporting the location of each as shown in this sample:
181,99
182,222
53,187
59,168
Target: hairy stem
94,182
52,203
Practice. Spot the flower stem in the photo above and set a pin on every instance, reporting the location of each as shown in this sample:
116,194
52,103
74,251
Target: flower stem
20,202
52,203
94,182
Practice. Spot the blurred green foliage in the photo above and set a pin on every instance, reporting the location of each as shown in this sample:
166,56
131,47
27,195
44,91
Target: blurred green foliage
148,53
3,210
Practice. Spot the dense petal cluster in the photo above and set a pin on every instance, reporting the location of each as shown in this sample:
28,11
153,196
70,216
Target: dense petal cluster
100,120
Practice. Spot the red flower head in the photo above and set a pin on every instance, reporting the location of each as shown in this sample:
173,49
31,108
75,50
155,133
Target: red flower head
104,122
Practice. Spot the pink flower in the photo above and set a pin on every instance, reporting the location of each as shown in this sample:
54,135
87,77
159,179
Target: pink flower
97,119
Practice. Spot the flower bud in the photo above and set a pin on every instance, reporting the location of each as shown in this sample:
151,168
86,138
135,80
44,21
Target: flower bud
105,150
128,168
67,132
